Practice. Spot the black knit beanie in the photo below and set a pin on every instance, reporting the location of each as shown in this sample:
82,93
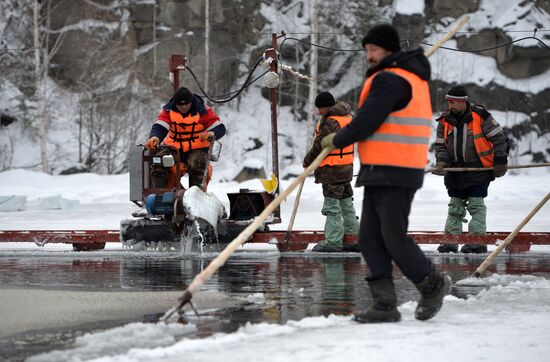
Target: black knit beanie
383,35
324,99
457,93
183,96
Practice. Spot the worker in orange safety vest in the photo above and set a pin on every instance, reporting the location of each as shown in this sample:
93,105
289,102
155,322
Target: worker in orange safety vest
188,126
468,136
392,129
334,174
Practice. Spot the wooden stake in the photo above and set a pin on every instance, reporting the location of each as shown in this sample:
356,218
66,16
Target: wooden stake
509,239
294,210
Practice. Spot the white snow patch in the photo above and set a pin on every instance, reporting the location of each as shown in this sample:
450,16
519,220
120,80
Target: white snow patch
409,7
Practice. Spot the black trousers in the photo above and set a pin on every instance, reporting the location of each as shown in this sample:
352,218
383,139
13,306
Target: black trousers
383,234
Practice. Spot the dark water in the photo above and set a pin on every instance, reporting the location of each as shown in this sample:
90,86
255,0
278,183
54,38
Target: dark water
294,285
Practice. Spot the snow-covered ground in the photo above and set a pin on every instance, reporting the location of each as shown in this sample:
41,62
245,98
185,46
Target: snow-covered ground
508,322
90,201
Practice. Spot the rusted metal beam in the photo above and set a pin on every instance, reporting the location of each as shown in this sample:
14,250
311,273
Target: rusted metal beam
60,236
299,240
421,237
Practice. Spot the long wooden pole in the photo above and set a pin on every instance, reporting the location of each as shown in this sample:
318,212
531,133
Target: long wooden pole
288,233
294,211
509,239
447,36
243,236
510,167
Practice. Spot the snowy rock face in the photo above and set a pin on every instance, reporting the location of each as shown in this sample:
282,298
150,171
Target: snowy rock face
108,76
508,80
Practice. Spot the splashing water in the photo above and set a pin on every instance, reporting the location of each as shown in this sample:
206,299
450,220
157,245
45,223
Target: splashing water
192,241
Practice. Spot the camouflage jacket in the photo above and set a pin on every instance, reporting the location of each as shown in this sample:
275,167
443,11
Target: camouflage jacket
329,174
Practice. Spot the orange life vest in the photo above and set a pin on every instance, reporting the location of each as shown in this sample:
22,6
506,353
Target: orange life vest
402,139
184,132
340,156
484,148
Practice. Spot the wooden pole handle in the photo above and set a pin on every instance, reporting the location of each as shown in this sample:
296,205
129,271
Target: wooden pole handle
509,238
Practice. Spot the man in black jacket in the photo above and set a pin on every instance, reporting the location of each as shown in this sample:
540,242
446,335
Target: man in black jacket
468,136
392,127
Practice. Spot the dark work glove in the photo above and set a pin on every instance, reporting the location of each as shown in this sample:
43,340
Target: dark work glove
439,169
499,170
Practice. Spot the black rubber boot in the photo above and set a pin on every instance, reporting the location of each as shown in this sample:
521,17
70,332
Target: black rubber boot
473,248
324,248
195,180
351,248
448,248
433,288
159,177
384,307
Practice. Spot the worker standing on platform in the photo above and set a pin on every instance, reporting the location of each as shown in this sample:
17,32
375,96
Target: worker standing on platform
468,136
334,174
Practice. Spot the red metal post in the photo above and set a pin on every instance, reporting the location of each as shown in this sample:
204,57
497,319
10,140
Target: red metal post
273,99
176,62
272,53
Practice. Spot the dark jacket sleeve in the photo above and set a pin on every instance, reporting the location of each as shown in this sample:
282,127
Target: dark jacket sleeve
441,151
327,126
494,133
389,92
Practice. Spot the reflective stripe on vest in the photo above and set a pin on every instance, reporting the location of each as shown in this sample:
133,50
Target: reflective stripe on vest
340,156
402,139
184,132
484,148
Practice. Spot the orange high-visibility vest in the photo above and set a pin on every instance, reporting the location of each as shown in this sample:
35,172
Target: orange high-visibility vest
484,148
340,156
184,132
402,139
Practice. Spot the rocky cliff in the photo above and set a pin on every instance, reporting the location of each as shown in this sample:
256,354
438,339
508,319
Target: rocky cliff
110,65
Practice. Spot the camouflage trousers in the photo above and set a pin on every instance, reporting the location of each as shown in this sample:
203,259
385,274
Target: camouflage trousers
194,163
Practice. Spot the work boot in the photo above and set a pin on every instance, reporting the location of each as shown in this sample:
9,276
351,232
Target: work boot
433,289
159,177
453,225
384,306
195,180
326,248
473,248
351,248
334,226
448,248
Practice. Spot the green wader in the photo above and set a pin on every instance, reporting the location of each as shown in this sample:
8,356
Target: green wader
453,224
477,209
334,225
351,225
455,216
478,225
